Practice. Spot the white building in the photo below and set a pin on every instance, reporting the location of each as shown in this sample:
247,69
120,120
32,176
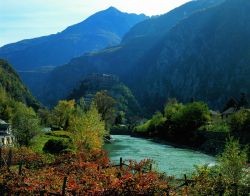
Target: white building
6,137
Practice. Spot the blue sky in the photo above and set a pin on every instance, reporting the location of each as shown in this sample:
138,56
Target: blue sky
23,19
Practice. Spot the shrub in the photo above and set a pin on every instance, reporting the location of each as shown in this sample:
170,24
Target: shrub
183,124
55,146
157,121
230,176
171,108
220,127
153,125
143,127
192,116
179,122
240,125
240,121
232,161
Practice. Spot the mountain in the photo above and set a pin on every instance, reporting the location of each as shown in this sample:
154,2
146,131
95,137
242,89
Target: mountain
101,30
121,60
125,100
205,57
11,83
156,27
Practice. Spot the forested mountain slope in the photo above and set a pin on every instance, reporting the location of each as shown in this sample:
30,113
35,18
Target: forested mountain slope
121,60
205,57
11,83
124,98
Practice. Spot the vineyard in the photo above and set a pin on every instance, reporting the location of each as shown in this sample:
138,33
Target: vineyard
24,172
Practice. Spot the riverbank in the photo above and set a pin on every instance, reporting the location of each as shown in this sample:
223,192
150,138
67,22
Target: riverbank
213,143
201,149
169,159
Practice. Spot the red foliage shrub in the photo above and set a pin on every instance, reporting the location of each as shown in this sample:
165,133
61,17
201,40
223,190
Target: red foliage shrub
88,173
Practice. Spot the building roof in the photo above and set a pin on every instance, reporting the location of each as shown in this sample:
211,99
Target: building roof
214,113
3,122
230,110
2,135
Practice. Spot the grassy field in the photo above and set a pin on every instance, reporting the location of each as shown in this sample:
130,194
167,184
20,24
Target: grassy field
39,141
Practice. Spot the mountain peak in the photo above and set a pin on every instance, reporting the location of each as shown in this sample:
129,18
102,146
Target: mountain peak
111,8
100,30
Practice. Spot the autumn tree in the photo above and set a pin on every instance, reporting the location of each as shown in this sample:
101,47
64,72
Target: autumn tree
89,129
86,124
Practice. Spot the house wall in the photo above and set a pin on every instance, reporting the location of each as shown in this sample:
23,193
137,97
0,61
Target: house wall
6,140
6,137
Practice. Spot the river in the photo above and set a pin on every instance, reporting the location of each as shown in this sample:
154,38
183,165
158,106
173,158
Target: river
171,160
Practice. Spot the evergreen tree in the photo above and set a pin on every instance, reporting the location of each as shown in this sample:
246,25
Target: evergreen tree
243,100
231,103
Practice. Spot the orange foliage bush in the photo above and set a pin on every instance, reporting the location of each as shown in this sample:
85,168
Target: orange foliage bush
88,173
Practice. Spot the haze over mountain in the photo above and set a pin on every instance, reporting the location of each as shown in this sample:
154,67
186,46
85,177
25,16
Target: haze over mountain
103,29
126,59
11,83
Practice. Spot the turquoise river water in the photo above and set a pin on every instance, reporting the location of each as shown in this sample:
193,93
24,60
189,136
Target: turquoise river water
171,160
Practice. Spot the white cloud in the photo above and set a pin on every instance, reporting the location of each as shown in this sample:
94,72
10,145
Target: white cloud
20,19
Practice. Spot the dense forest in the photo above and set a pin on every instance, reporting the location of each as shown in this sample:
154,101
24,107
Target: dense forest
11,83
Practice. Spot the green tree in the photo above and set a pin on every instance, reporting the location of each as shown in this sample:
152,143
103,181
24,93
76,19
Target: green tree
25,124
171,108
81,104
157,122
120,118
239,123
192,116
106,107
62,112
229,175
230,103
179,123
45,116
6,105
233,161
183,121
